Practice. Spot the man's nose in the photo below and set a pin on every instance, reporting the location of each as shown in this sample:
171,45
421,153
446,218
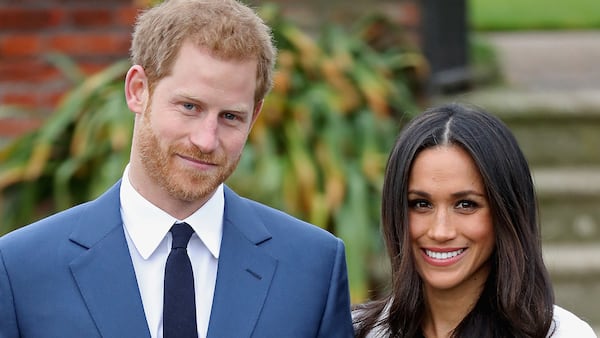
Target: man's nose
204,133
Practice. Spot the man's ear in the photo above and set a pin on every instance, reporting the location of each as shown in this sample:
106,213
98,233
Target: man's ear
136,89
257,109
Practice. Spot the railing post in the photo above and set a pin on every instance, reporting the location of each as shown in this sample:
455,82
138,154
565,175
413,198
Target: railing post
444,36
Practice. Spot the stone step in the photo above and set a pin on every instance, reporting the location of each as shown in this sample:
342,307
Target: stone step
569,199
570,221
511,102
575,272
573,259
553,128
583,181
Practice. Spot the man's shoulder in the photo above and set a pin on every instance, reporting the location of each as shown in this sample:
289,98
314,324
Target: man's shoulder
45,229
281,225
279,221
60,225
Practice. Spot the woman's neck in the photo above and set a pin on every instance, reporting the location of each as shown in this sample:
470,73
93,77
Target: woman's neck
445,309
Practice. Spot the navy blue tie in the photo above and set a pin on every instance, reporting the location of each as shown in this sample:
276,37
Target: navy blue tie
179,312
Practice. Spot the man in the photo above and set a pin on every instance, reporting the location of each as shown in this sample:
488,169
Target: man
200,72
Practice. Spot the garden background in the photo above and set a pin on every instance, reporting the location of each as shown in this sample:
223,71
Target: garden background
348,77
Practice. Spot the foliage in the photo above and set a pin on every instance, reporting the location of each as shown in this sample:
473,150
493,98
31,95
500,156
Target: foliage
70,159
483,62
318,150
508,15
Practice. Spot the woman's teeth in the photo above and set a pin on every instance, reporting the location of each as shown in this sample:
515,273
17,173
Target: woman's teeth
443,255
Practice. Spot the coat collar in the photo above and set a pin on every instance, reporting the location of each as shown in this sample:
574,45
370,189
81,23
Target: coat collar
106,278
104,272
245,271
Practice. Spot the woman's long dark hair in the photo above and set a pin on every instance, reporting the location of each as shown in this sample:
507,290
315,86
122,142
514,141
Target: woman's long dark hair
517,299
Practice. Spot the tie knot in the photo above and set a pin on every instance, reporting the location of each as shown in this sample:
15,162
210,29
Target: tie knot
181,233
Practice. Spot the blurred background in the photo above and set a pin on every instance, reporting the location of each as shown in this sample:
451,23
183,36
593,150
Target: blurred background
348,77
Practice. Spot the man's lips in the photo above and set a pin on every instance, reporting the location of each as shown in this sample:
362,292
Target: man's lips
198,161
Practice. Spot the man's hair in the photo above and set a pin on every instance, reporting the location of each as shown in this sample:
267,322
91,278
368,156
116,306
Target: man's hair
226,28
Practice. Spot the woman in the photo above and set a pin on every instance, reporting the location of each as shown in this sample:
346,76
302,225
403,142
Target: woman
459,219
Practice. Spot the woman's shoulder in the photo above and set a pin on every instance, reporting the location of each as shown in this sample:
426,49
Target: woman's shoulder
361,311
566,324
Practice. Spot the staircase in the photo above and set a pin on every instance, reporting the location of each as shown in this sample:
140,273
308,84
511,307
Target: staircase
557,123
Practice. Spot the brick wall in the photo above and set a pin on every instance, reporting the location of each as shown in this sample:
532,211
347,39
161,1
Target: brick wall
92,33
95,33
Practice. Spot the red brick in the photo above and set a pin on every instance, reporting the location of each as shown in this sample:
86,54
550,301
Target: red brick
125,16
20,45
48,98
91,44
30,19
91,68
90,18
51,98
27,70
40,98
31,3
29,99
95,2
12,127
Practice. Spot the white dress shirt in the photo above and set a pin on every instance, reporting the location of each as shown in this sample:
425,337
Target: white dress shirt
149,240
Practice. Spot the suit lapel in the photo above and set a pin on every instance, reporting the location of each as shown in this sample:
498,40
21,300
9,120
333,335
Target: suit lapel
104,272
244,274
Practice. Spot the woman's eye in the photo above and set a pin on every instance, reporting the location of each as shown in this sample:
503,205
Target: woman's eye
419,204
466,205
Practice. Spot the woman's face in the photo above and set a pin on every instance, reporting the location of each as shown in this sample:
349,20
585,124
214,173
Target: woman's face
450,223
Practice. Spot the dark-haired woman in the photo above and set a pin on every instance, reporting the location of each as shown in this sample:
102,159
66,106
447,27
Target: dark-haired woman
459,219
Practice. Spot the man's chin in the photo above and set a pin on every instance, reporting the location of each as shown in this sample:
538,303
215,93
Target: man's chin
188,196
193,190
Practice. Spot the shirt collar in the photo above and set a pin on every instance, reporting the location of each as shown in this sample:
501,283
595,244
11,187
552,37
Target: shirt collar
147,225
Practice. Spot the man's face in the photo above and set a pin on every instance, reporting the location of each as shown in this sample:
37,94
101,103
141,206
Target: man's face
191,134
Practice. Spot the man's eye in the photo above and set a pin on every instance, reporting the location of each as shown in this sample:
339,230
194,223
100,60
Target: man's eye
189,106
229,116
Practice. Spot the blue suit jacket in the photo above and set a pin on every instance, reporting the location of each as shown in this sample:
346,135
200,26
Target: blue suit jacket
70,275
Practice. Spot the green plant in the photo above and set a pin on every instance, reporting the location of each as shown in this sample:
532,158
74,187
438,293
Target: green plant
483,62
74,156
512,15
318,150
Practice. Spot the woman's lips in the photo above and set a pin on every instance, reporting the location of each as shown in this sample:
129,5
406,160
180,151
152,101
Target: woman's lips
443,257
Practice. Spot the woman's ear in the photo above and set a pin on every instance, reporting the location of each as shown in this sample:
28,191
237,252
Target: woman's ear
136,89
